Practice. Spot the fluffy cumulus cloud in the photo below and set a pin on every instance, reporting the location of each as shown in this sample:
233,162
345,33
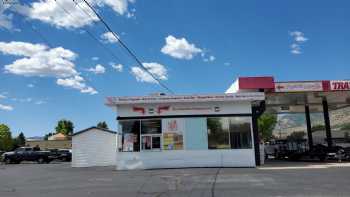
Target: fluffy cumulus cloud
98,69
51,12
40,61
298,40
159,71
179,48
6,107
76,82
108,37
117,67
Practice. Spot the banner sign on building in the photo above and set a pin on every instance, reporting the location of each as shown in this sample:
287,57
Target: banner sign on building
340,85
298,86
249,96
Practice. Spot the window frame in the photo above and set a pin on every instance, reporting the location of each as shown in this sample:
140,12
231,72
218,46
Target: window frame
229,134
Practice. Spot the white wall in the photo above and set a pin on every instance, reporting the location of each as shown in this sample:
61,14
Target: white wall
185,158
204,108
94,148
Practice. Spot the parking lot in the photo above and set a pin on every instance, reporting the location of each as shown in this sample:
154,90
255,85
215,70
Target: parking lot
274,179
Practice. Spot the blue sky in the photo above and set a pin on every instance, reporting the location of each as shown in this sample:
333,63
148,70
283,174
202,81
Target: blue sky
192,46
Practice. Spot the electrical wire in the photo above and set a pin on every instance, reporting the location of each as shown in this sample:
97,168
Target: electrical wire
111,53
133,55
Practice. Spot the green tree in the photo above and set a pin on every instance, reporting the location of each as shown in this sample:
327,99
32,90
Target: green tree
19,141
65,126
6,142
102,125
46,137
267,123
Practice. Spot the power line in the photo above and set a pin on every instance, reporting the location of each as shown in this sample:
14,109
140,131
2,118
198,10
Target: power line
127,49
92,35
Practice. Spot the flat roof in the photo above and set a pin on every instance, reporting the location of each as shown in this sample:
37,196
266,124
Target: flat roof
246,96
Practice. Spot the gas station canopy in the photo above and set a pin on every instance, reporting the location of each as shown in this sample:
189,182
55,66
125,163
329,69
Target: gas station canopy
293,96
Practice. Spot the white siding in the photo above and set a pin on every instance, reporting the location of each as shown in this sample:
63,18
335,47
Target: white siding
94,148
186,158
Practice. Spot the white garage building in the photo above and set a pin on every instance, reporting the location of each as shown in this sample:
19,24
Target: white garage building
94,147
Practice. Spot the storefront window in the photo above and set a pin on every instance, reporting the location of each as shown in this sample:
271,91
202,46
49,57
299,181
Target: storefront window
173,129
130,135
151,134
151,127
229,133
240,132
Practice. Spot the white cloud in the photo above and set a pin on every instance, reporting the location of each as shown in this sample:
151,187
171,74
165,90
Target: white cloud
51,12
108,37
298,36
30,85
95,58
6,107
295,48
117,67
158,70
211,58
2,96
119,6
99,69
298,40
5,19
179,48
40,61
76,82
227,63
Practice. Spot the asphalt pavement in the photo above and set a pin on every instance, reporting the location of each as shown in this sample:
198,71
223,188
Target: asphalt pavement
276,179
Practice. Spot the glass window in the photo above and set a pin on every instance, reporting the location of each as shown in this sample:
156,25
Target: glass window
240,132
218,133
150,142
131,135
151,127
173,133
151,134
146,142
155,142
229,133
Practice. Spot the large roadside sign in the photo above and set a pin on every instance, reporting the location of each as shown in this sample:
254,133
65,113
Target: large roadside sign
314,86
340,85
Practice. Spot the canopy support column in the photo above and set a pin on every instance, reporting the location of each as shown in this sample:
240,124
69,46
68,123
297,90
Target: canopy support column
308,127
327,123
256,113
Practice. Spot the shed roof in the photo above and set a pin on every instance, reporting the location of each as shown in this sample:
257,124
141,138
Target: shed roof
88,129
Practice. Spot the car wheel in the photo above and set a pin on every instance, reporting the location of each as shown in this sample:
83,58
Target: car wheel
7,160
41,160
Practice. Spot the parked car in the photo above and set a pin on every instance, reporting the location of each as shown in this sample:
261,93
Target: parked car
61,154
27,154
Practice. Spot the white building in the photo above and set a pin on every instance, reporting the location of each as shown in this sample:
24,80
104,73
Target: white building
187,131
94,147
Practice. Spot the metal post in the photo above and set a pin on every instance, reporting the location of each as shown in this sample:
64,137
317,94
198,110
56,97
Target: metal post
256,135
308,127
327,123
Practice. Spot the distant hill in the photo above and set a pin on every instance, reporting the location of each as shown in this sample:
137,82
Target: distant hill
288,123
